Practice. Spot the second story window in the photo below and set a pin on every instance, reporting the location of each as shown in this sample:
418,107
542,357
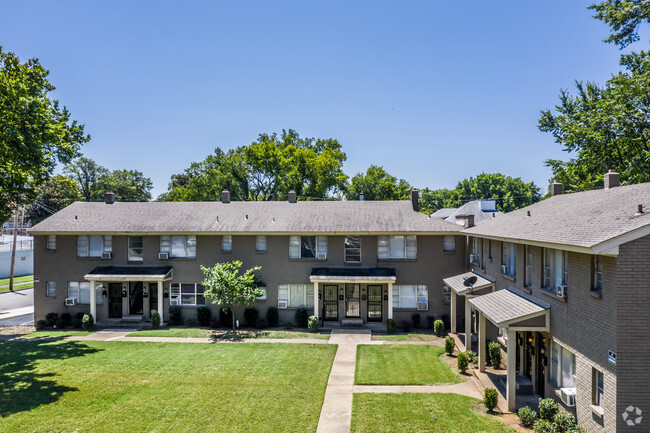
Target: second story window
397,247
509,259
260,244
449,244
178,246
135,252
51,243
94,246
598,274
475,257
226,243
308,247
528,269
353,249
555,268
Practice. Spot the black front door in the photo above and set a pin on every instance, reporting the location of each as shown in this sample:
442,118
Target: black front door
375,305
114,300
331,302
135,297
539,359
352,306
153,297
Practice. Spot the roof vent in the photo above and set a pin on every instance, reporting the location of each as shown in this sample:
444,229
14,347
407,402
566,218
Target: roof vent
292,196
556,189
415,199
110,197
225,196
612,179
527,213
639,210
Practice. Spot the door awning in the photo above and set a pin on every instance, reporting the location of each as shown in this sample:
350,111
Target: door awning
457,283
511,308
352,275
130,273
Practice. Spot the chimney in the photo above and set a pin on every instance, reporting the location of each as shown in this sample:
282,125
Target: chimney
110,197
292,196
415,199
225,196
612,179
466,221
556,189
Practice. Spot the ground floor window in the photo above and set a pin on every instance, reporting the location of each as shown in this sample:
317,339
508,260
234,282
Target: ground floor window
186,294
296,295
50,290
81,291
598,387
563,367
446,295
409,295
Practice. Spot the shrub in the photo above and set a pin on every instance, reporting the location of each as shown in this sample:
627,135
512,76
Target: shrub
472,356
313,323
41,324
155,320
543,426
490,398
203,315
547,409
60,324
391,327
406,326
175,315
79,315
439,327
191,322
51,319
88,322
225,317
415,318
287,325
272,316
260,323
494,349
527,417
250,315
565,422
430,321
67,319
301,317
463,361
449,345
215,323
76,323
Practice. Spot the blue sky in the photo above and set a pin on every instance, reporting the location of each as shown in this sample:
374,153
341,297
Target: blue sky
432,91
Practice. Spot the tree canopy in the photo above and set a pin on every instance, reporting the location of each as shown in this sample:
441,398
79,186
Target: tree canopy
624,18
52,196
35,132
377,184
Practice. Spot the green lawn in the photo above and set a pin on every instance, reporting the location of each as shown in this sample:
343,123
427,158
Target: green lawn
27,281
173,332
402,365
205,333
96,386
41,334
449,413
416,336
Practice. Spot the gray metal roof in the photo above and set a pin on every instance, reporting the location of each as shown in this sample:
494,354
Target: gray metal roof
351,217
456,283
507,305
582,219
473,208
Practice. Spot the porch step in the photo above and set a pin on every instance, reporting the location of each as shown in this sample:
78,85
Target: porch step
524,386
128,321
352,323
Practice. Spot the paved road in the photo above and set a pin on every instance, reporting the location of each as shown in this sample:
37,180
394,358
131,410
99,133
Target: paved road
27,319
17,299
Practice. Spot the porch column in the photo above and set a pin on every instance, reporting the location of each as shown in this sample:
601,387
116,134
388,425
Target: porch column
390,300
452,316
160,301
316,299
468,324
511,370
93,300
481,341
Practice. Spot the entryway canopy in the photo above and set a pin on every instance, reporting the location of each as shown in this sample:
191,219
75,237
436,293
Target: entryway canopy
457,283
130,273
352,275
511,308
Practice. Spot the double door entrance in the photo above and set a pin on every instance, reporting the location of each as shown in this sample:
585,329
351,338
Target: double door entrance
134,296
353,297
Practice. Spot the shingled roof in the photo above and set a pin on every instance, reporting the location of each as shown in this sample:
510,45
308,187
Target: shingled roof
598,220
346,217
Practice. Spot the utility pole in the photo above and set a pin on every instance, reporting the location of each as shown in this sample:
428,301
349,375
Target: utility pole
13,252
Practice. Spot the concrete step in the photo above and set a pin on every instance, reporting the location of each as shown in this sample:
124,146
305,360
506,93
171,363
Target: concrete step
352,322
523,385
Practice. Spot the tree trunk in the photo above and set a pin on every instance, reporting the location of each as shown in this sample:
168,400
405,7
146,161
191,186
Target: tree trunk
13,253
232,312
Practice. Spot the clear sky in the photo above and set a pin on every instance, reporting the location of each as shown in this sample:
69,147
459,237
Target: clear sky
433,91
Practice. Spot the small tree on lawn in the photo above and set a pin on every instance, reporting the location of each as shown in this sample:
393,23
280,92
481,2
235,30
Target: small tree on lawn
224,285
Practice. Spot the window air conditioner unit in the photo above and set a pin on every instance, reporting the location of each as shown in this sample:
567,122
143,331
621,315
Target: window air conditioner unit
322,256
107,255
69,302
473,258
504,269
423,306
568,396
173,301
163,256
283,304
560,291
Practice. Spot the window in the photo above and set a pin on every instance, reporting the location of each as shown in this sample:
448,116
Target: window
555,268
135,249
408,296
51,243
296,295
81,291
353,249
94,246
308,247
475,257
446,294
50,289
449,244
490,249
226,243
509,259
528,269
178,246
397,247
563,367
186,294
260,244
597,386
598,274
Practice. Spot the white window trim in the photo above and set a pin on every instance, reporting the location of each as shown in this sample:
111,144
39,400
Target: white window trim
176,293
510,257
558,382
107,245
99,299
418,287
50,243
226,243
449,244
321,247
131,258
189,246
48,288
528,268
259,240
597,285
346,249
383,251
298,303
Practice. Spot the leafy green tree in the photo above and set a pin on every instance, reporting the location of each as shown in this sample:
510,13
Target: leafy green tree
52,196
604,128
35,132
377,184
624,18
87,174
511,192
433,199
128,185
226,286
